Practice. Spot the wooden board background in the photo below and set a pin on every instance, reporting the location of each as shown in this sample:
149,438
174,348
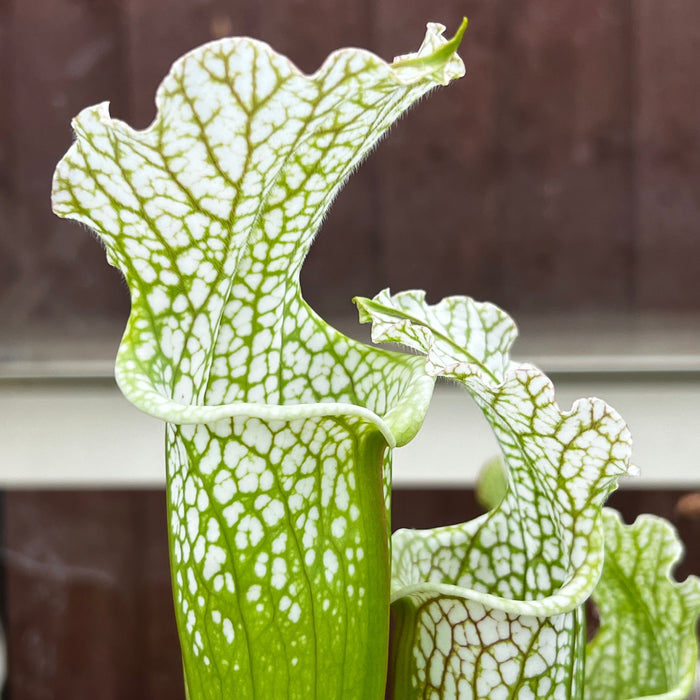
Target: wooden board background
561,174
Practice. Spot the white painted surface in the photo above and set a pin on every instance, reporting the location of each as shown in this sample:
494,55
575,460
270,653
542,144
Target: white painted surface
76,434
82,433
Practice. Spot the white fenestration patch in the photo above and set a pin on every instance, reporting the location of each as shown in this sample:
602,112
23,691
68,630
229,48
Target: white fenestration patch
214,560
278,579
228,630
295,612
250,532
339,527
330,563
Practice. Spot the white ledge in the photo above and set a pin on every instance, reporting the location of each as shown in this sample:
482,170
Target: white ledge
82,433
65,424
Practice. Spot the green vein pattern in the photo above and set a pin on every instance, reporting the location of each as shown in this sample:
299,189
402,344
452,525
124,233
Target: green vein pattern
278,427
492,608
646,645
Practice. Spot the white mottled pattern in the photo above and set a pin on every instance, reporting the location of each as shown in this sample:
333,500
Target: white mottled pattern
278,426
509,584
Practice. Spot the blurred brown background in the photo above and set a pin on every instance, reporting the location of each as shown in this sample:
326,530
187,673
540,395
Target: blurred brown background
561,174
